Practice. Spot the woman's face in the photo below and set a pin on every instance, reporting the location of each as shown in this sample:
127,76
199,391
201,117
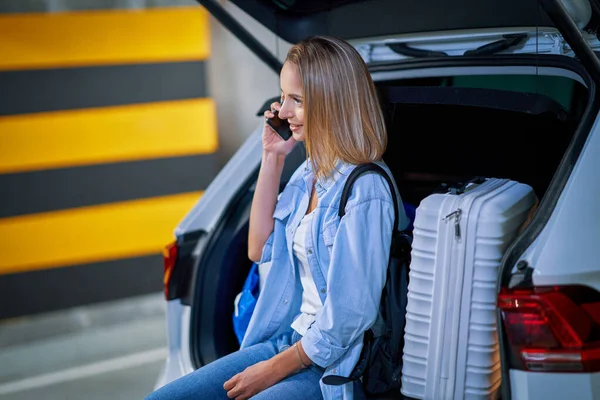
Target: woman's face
292,103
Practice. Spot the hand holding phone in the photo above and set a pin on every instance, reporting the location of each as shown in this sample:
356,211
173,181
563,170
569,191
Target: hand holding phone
281,126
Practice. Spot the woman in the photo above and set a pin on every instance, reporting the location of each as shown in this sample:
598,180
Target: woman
324,286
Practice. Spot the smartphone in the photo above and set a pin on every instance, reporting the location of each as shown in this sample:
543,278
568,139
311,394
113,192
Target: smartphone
281,126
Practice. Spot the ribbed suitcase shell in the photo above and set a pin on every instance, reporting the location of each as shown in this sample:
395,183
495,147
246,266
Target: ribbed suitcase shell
451,344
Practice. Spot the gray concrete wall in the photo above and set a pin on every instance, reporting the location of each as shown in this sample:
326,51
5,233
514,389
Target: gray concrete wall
238,81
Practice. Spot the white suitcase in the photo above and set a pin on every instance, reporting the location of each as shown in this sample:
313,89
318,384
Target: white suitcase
451,344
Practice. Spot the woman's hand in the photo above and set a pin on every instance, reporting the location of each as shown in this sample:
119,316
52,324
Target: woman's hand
251,381
272,143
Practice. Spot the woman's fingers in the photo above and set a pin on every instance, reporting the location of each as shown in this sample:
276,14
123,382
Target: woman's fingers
230,384
269,114
234,393
275,106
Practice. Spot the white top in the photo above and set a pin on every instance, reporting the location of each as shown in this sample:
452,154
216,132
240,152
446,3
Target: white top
311,302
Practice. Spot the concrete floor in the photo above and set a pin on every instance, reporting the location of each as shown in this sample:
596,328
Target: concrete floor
108,351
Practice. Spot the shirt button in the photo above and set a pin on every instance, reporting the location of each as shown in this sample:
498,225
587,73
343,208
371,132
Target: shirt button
309,251
323,290
285,301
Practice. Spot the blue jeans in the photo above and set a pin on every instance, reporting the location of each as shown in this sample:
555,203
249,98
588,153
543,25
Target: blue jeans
207,382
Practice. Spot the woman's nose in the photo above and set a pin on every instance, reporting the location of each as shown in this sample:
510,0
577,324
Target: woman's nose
286,111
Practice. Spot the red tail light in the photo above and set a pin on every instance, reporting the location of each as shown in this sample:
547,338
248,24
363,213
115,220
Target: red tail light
553,329
170,257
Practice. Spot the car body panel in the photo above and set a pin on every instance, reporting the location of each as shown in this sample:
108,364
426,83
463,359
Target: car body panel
457,43
554,386
568,250
208,210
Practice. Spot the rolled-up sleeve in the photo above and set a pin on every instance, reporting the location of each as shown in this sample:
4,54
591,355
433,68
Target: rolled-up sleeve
355,280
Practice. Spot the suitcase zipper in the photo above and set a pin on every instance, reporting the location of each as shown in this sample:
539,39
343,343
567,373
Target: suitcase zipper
456,214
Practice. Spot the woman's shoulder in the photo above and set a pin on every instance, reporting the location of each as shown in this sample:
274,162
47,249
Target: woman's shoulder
370,185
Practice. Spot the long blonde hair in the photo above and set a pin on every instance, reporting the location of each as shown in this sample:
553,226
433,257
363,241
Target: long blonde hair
343,118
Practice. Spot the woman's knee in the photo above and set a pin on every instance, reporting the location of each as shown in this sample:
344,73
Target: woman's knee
197,385
207,382
300,386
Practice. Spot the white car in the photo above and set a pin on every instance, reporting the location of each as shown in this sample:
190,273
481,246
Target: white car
497,88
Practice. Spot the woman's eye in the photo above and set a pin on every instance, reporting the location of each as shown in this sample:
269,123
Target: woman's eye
297,101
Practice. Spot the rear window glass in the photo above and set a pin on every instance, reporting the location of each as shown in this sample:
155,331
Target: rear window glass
557,88
568,93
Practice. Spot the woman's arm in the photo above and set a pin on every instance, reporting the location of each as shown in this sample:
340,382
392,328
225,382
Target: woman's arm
290,360
263,203
355,280
267,187
265,374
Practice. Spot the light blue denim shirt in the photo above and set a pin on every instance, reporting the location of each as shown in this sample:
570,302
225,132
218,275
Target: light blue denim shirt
348,260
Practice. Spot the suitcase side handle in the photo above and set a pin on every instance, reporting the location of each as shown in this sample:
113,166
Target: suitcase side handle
459,187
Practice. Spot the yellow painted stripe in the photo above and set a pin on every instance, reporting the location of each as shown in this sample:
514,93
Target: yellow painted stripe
109,134
70,39
91,234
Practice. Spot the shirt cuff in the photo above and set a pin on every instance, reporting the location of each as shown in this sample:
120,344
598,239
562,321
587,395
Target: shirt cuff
320,350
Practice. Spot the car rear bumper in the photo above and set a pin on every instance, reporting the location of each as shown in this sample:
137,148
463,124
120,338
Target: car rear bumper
537,385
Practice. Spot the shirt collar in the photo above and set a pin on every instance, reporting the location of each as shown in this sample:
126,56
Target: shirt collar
324,183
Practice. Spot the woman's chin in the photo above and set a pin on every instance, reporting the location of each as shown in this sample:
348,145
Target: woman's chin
298,135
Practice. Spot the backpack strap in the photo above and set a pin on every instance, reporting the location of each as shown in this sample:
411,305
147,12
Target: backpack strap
365,356
359,170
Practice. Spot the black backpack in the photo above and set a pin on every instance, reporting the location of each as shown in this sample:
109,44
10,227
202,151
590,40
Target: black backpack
380,362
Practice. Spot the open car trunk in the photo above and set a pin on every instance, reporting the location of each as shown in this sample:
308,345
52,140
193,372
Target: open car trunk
442,128
449,134
468,88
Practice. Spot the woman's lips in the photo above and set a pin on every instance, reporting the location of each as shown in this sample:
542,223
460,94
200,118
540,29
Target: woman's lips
295,127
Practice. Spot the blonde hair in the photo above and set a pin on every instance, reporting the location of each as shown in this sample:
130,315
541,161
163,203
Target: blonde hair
343,118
